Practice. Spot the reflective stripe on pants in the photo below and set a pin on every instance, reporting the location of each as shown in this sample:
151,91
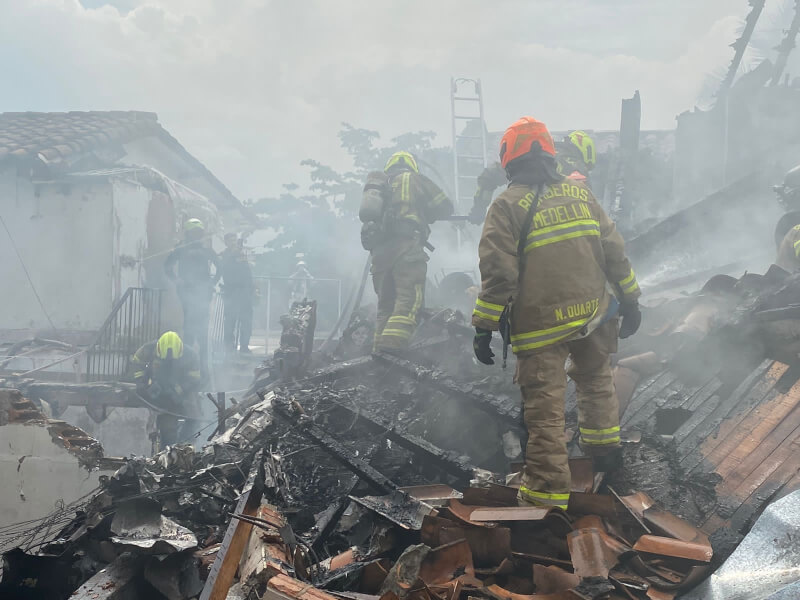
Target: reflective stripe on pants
400,291
543,383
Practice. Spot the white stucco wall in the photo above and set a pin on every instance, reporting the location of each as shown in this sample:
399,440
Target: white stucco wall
130,201
82,242
64,235
37,473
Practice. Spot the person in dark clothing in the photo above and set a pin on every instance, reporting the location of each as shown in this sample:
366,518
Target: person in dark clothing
168,375
194,283
237,279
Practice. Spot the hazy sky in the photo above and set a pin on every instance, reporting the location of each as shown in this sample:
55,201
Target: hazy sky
252,87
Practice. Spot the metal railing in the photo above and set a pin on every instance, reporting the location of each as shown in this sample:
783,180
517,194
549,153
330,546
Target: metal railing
216,327
135,320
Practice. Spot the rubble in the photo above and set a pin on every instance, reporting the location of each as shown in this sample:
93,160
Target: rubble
392,477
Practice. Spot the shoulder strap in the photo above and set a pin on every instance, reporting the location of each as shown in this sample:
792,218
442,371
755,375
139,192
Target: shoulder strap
526,229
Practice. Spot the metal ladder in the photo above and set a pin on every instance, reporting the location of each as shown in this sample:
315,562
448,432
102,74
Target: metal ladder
469,157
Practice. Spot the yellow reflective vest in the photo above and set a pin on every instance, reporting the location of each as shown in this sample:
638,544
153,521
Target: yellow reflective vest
789,250
416,203
573,260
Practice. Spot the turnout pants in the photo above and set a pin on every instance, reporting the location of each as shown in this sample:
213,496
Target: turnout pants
541,375
196,302
399,283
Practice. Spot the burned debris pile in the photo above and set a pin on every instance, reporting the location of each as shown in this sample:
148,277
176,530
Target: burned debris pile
392,477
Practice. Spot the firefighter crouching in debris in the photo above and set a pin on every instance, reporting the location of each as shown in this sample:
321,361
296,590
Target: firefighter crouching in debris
549,253
397,209
575,158
167,375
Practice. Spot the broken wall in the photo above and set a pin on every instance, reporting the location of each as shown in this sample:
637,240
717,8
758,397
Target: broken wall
124,432
37,474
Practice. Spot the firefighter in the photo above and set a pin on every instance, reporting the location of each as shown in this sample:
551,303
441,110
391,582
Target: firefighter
194,283
168,375
575,157
399,261
549,255
238,291
789,250
787,231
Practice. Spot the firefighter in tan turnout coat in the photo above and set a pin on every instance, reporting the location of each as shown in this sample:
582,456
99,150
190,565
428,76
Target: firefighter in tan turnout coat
551,255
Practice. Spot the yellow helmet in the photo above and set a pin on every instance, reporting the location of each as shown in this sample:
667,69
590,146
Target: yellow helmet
585,144
401,158
193,224
169,345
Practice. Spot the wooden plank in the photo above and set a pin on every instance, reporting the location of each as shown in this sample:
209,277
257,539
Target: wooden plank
642,405
758,468
768,477
743,437
698,417
699,399
224,568
791,486
766,436
749,394
770,487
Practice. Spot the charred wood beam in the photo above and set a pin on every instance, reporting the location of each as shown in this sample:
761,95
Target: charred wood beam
786,46
343,502
443,460
233,544
333,447
740,45
510,415
340,369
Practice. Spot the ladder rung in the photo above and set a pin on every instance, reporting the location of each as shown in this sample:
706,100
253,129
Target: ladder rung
469,137
468,176
466,99
470,118
470,157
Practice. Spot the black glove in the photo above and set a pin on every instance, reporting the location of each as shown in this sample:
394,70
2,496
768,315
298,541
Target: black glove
480,202
631,319
482,346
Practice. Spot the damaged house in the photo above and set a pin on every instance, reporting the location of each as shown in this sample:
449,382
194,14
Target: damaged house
104,193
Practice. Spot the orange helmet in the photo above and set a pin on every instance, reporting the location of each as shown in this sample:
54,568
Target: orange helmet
520,137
